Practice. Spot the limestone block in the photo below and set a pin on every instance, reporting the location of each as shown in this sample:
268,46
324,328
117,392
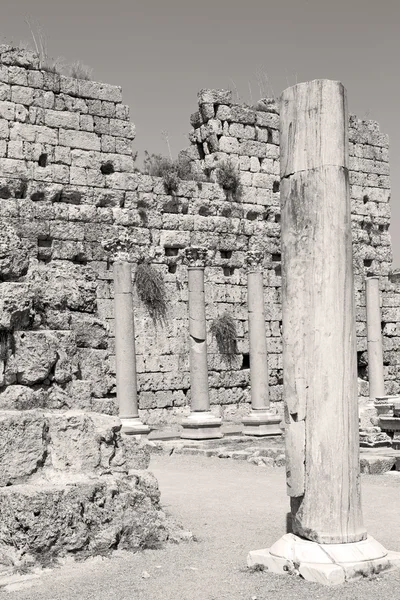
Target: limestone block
35,79
100,91
22,445
13,254
229,145
15,305
7,110
90,332
79,139
22,95
18,57
5,92
266,119
65,285
90,515
206,96
120,128
21,397
375,465
40,355
243,114
253,148
4,130
94,367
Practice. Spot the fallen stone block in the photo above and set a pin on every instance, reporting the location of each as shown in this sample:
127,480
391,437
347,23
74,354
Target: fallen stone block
91,516
375,465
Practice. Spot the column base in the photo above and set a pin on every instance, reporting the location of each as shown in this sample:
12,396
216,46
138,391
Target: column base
133,426
262,423
201,426
328,564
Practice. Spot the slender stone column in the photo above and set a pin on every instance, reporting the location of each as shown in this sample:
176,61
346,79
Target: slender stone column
125,353
374,339
371,435
262,420
329,542
201,423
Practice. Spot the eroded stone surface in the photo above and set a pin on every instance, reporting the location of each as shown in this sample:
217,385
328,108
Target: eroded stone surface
42,356
14,259
23,445
62,284
15,305
93,516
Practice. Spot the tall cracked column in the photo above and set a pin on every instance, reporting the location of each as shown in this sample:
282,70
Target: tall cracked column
329,543
262,420
125,352
201,423
374,339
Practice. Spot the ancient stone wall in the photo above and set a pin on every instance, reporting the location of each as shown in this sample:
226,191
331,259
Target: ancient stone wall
249,137
68,182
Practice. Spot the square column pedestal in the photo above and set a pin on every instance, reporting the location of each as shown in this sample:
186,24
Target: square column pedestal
328,564
201,425
134,426
262,423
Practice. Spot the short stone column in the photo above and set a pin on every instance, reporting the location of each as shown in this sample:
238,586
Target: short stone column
374,339
262,420
201,423
125,353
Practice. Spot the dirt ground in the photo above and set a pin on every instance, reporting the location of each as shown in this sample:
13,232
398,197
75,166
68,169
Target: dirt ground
231,507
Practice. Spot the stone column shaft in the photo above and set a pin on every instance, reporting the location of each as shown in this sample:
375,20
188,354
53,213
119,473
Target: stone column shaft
262,420
374,339
119,249
125,342
198,341
329,543
201,423
258,342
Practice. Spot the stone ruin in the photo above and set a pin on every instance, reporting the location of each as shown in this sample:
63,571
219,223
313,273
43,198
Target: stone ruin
68,182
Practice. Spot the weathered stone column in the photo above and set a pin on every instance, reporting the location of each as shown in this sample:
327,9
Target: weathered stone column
125,353
262,420
371,435
329,542
201,423
374,339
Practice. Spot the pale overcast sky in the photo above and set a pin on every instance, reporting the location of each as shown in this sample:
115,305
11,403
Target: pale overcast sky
162,52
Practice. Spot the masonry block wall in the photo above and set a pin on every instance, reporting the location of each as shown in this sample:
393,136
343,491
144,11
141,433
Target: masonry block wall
249,137
68,182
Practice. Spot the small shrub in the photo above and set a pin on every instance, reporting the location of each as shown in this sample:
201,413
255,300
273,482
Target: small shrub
78,70
172,171
51,65
224,331
151,290
228,178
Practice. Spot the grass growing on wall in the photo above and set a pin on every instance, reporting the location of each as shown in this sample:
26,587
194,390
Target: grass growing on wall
228,177
172,171
224,331
151,290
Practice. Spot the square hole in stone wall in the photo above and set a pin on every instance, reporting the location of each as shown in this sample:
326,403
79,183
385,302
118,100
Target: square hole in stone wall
245,360
225,253
171,250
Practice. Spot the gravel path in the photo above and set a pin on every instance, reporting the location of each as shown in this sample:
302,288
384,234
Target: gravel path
232,507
